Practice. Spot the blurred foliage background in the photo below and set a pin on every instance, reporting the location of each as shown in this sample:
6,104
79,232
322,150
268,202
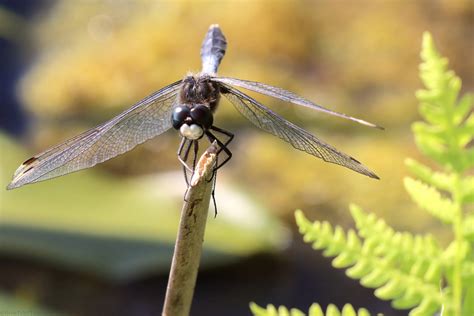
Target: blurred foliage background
89,60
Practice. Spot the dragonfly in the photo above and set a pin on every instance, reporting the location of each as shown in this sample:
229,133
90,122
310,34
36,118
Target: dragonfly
187,105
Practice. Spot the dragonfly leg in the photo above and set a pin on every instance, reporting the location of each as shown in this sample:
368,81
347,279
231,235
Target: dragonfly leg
185,146
213,193
222,147
225,132
195,144
196,149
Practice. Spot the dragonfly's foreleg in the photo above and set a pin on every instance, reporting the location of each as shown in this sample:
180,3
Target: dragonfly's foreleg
183,150
224,132
222,146
213,193
196,149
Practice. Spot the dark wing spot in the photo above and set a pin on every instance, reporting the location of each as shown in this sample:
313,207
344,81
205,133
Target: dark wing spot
353,159
30,161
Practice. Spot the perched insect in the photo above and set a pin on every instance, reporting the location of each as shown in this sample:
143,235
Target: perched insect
187,105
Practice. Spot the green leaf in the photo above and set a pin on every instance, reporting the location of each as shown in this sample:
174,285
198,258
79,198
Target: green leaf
434,272
338,239
429,199
468,272
427,308
332,310
467,189
364,312
437,179
402,249
431,113
378,263
429,143
463,134
409,299
314,310
348,310
376,278
463,108
392,289
468,305
468,227
360,269
448,126
452,252
348,258
469,158
260,311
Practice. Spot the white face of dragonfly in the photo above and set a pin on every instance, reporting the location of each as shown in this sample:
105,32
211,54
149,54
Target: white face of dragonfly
192,131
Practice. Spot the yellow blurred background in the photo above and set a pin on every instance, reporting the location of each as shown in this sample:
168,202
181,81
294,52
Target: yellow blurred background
89,60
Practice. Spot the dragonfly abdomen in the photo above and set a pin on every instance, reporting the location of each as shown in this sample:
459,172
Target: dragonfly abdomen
213,49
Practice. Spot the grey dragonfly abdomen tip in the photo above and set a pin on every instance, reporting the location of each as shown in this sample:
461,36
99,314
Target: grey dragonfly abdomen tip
213,49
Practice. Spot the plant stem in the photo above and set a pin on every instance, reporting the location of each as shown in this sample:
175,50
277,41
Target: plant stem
187,252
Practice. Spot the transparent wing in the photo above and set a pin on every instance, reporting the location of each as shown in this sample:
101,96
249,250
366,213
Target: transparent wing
286,96
269,121
146,119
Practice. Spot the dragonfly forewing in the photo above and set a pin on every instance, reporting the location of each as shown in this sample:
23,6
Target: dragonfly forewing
287,96
146,119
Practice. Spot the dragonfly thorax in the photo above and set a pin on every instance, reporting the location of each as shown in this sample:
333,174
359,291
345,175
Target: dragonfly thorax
199,89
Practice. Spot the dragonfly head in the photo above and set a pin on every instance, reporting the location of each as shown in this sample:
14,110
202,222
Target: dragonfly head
192,121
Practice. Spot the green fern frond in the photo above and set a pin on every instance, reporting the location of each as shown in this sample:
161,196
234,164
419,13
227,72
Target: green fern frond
430,199
383,270
445,137
271,310
448,128
411,270
456,251
467,187
406,247
468,272
335,242
411,254
439,180
468,306
314,310
468,227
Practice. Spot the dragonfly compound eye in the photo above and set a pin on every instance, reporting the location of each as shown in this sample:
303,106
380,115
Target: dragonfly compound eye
180,113
202,115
